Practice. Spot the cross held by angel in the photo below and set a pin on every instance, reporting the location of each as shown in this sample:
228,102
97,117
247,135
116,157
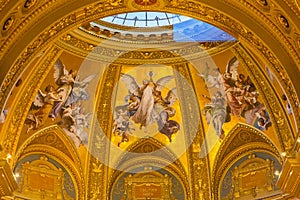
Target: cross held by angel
146,103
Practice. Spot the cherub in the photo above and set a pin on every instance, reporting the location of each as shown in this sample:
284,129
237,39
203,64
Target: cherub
149,93
79,89
45,103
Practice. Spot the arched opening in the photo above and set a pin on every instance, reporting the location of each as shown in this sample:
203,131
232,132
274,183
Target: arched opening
103,55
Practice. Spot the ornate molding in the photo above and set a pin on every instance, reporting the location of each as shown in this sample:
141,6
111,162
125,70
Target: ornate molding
44,38
279,24
283,128
53,136
245,139
121,54
234,27
143,146
53,141
195,9
199,172
102,125
15,120
62,159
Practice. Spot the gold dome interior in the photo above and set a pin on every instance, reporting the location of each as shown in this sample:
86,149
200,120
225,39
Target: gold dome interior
97,110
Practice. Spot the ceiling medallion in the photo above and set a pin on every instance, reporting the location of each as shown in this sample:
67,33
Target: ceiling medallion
145,4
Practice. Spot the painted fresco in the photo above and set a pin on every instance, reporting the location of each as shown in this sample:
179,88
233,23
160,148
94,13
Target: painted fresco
146,104
230,96
62,102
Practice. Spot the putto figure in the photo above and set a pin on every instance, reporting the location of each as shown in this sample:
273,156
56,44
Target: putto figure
145,105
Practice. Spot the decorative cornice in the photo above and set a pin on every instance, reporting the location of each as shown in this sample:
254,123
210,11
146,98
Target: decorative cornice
196,9
283,128
118,53
16,118
240,141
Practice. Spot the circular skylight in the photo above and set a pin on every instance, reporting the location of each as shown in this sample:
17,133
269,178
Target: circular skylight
146,19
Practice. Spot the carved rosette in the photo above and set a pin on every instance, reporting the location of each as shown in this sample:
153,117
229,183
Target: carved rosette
145,4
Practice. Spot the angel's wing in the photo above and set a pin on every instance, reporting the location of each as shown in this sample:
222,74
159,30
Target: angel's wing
171,97
85,81
59,70
39,99
88,117
131,84
122,108
232,67
160,83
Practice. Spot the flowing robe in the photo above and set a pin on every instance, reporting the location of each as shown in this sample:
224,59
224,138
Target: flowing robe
145,114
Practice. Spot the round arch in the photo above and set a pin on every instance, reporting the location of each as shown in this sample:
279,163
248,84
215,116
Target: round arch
54,143
241,140
248,23
157,163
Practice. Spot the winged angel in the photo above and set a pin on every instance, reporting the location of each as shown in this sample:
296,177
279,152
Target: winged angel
56,101
145,106
241,94
45,103
231,93
70,88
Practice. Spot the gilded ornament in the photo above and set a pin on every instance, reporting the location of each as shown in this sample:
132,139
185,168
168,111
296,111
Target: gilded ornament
115,2
281,126
8,23
283,21
29,3
262,144
145,2
262,2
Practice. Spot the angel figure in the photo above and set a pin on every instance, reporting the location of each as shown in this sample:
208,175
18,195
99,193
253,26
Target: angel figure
149,94
166,126
216,113
75,120
65,80
231,89
67,117
82,120
165,111
124,130
79,90
45,103
263,121
3,115
212,78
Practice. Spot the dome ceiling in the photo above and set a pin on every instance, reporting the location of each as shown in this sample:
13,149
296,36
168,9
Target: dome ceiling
156,26
102,97
146,19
